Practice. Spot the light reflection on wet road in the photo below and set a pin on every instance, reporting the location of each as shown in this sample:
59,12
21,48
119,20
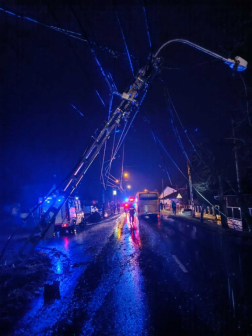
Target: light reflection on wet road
161,278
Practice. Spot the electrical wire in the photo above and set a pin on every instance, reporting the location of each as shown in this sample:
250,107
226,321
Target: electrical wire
102,165
138,108
175,129
122,166
112,155
147,27
80,59
91,48
98,94
246,95
191,67
69,33
167,172
113,82
125,43
124,133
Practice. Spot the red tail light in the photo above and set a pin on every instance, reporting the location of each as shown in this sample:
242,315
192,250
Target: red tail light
64,225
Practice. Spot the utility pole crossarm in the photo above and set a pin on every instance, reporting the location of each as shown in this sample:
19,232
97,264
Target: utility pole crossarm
238,63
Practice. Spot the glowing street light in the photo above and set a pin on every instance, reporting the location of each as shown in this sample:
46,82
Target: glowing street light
117,181
125,175
128,186
145,190
237,63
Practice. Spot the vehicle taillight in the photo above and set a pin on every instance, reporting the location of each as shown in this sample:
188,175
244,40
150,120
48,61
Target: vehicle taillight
126,205
64,225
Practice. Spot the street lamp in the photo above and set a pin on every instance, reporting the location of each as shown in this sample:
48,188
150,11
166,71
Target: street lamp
238,63
125,175
128,186
117,181
145,190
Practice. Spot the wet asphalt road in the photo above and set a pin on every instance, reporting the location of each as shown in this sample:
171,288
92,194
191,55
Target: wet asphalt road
163,278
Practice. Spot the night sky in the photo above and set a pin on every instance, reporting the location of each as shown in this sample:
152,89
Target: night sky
44,72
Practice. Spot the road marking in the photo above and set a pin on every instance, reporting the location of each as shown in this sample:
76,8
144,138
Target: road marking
180,264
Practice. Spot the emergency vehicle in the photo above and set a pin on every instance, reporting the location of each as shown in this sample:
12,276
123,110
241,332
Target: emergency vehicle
70,215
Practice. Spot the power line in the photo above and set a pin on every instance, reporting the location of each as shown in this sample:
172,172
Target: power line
125,43
175,130
167,172
138,108
91,48
147,27
69,33
98,94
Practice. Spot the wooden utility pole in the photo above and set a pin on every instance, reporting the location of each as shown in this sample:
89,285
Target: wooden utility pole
222,202
190,187
241,202
236,160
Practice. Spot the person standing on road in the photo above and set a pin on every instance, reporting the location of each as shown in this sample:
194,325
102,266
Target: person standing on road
131,214
174,208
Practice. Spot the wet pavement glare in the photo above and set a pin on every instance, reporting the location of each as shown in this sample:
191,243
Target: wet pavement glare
160,278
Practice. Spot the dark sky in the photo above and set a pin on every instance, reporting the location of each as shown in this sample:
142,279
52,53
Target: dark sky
44,72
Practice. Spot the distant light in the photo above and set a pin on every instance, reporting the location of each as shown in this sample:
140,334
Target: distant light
185,131
114,192
126,205
196,129
59,200
126,199
64,225
48,201
117,181
76,197
126,175
128,186
131,199
145,190
179,196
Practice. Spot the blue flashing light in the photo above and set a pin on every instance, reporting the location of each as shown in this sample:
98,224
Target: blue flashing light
196,129
185,131
126,199
59,200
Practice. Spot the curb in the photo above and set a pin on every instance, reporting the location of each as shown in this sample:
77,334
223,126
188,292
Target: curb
211,226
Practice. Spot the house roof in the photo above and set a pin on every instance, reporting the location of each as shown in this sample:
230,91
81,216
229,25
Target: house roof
174,195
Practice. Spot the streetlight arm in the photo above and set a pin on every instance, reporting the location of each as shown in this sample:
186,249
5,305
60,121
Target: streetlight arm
238,63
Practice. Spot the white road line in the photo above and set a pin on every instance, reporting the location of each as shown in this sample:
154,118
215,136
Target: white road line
180,264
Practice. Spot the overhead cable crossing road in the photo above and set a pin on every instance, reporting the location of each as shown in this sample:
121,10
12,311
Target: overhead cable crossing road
122,112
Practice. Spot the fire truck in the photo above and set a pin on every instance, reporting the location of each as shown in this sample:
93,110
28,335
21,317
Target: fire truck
71,213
